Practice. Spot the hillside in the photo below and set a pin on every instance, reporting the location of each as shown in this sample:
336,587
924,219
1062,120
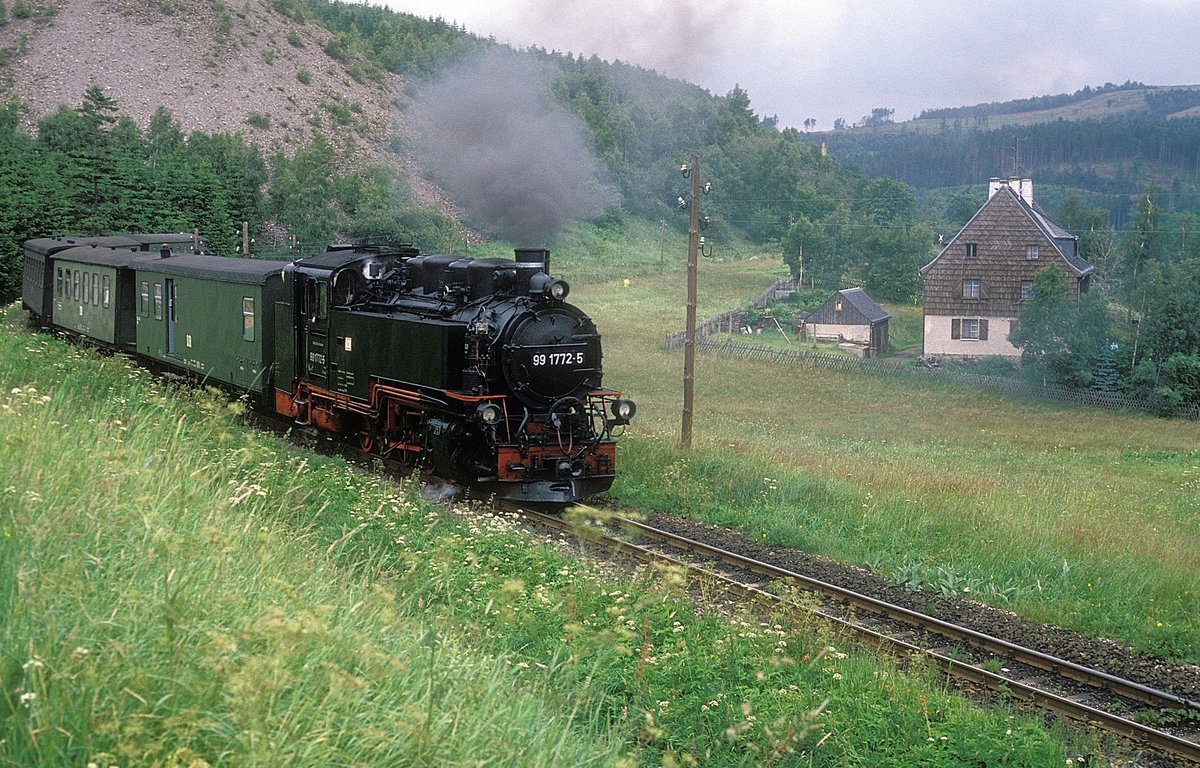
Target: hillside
1130,100
239,68
1110,143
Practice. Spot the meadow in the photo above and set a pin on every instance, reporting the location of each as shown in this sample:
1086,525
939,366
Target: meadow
1080,517
177,589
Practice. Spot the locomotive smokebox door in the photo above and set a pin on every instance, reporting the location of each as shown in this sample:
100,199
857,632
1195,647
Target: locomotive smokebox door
551,354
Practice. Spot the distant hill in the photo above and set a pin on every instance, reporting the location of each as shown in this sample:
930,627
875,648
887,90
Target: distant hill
1110,142
1174,101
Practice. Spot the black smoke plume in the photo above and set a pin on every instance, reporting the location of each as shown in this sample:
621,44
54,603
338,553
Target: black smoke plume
522,166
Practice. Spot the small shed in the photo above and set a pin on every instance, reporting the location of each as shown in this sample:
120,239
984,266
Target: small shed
850,315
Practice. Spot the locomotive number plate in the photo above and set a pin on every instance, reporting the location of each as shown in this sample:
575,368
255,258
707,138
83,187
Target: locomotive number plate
557,358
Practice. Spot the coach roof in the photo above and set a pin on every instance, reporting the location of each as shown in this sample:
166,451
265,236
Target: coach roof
220,268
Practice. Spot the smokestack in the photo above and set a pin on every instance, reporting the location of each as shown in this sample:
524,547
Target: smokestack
528,256
164,251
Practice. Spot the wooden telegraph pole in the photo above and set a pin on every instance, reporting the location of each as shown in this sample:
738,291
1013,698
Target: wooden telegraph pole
689,343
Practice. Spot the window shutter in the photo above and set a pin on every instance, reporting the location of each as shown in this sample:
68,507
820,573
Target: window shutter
983,289
983,330
956,328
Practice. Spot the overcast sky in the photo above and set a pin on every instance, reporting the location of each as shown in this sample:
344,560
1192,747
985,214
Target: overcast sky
825,59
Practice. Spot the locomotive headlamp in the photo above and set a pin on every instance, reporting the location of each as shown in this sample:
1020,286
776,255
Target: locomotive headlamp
558,290
623,410
550,287
488,413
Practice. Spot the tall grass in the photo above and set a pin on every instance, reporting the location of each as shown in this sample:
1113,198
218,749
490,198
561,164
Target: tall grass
176,589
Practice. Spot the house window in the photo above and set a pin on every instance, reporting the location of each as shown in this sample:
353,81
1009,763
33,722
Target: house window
972,250
1026,290
970,329
1032,252
248,318
970,288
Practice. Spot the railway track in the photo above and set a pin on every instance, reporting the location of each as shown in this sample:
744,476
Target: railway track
1067,689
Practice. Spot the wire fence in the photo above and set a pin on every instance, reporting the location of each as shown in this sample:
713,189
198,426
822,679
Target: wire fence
733,321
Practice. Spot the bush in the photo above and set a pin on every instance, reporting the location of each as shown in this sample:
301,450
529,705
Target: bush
995,365
259,119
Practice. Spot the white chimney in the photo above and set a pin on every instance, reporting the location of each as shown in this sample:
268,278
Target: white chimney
1023,187
1027,190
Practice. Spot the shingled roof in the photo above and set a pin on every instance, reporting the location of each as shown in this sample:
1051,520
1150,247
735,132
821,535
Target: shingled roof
1065,244
865,310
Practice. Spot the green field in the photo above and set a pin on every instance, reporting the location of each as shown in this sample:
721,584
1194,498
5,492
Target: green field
178,590
1081,517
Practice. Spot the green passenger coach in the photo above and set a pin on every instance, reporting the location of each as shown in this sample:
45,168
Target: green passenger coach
209,317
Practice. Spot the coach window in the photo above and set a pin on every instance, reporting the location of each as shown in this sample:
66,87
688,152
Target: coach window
158,301
86,292
58,282
74,285
104,291
95,289
144,309
248,318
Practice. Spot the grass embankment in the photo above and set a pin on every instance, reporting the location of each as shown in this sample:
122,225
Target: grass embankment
178,590
1081,517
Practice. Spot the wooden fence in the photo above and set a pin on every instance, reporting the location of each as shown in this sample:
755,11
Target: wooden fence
734,320
731,322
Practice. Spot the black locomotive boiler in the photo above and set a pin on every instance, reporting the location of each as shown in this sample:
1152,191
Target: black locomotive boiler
474,370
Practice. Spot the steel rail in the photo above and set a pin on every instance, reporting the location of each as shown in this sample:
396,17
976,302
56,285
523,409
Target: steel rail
1159,740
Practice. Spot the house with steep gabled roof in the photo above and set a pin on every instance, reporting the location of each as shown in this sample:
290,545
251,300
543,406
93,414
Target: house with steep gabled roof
976,287
849,315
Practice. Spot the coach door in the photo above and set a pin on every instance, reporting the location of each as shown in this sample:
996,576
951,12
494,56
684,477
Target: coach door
170,316
316,331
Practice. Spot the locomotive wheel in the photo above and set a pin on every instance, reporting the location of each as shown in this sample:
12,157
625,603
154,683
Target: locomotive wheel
366,440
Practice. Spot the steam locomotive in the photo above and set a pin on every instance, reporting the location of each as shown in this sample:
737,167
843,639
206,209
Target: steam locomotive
475,370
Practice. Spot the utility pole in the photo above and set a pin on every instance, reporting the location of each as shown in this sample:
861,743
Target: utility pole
662,243
689,344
